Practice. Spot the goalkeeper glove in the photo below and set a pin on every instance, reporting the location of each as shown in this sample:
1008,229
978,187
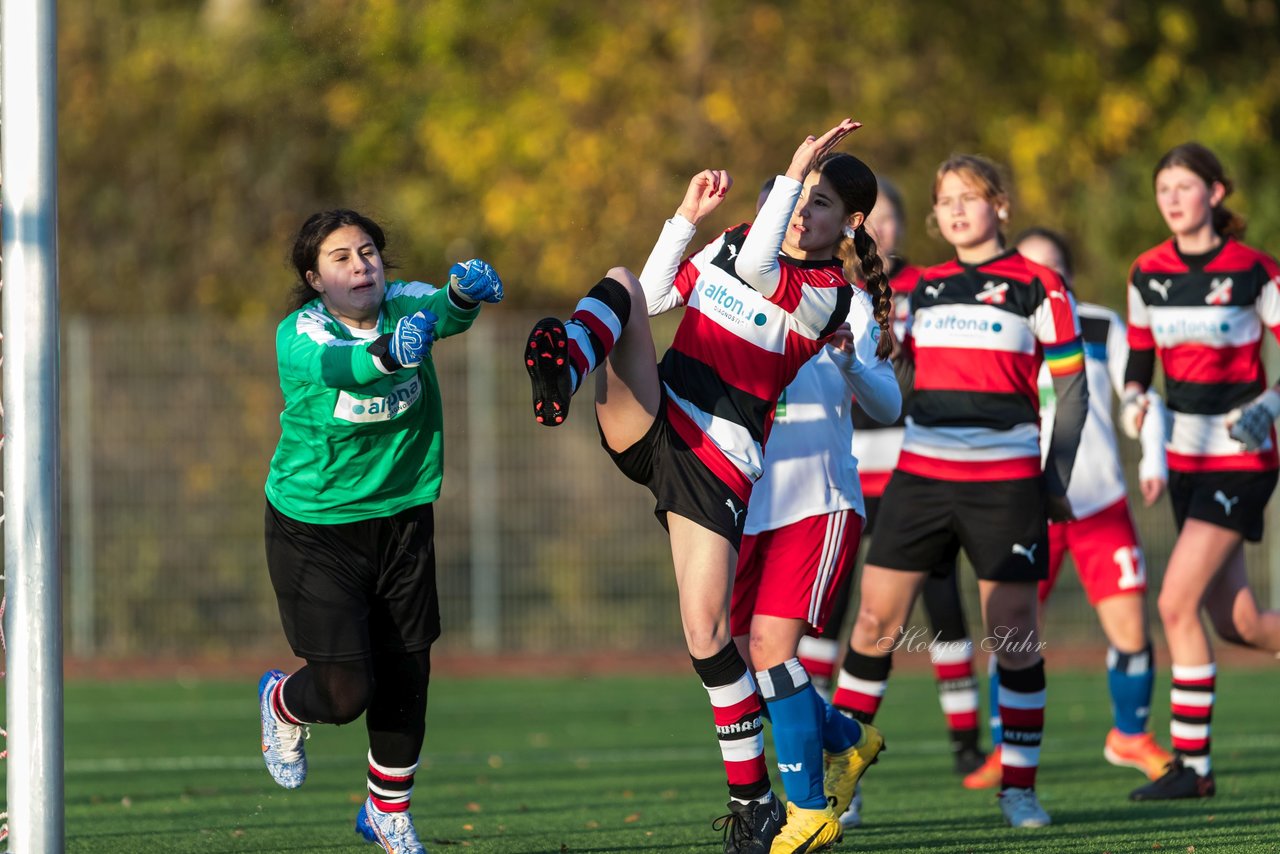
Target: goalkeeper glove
1251,425
475,281
412,338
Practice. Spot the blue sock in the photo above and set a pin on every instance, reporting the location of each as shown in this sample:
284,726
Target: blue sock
796,711
1131,679
838,732
993,703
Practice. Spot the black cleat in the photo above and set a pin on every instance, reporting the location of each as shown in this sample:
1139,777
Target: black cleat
1178,781
750,828
968,760
546,357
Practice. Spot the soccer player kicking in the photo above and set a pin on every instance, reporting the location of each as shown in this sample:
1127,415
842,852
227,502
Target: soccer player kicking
692,429
802,532
1198,302
349,519
969,474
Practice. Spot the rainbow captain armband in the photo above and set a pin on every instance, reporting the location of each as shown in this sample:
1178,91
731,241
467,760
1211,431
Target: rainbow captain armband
1066,358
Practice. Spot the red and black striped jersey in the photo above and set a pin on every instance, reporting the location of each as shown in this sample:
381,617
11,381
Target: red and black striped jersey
876,445
978,335
1203,315
735,350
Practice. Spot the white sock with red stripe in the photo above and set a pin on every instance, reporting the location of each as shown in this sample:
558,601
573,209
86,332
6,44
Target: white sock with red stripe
1191,699
957,690
1022,695
861,686
390,788
736,706
818,655
595,326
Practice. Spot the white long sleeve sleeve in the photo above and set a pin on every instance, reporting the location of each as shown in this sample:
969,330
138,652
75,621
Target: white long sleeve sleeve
659,274
758,263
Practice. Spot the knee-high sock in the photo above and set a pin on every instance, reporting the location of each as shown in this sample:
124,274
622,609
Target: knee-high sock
818,655
957,690
397,723
595,327
1191,699
1022,696
839,733
863,681
796,711
1131,680
736,708
993,702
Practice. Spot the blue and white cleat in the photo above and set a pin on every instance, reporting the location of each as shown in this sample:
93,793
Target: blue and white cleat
392,830
281,742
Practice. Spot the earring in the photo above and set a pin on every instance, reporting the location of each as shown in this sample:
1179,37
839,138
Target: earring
849,232
1002,214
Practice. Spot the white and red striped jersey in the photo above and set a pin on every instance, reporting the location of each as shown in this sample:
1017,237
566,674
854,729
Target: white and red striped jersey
1203,315
876,445
735,349
1099,483
978,334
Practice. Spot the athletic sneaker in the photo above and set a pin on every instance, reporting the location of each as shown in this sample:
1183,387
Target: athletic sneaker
1137,751
988,775
807,830
852,817
750,828
845,769
281,742
1178,781
968,760
392,830
1022,808
546,357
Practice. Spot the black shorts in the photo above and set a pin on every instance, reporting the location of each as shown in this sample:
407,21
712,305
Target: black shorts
1229,499
349,590
1001,524
681,482
872,506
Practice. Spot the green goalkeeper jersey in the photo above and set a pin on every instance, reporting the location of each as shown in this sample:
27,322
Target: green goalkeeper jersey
356,442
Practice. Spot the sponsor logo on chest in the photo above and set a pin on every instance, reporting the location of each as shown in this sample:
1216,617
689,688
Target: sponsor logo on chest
728,303
363,410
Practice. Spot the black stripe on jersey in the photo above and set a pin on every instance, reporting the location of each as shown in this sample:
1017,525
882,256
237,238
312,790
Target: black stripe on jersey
844,298
1094,330
966,286
993,410
1190,289
1209,398
698,383
727,258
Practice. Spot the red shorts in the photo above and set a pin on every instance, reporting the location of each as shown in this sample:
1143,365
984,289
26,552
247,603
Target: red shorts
793,571
1105,549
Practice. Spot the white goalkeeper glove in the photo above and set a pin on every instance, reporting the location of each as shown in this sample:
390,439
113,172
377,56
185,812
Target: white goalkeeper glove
1133,409
1251,425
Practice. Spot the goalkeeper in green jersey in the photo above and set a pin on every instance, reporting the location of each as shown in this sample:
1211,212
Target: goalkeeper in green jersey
349,522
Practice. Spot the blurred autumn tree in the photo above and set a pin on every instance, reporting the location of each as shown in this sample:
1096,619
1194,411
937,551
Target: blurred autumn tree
553,138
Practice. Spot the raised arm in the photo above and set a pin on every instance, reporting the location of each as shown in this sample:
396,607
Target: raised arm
758,263
706,191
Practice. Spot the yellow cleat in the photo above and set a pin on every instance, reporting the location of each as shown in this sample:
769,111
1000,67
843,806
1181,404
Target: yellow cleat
845,769
1137,751
988,774
807,830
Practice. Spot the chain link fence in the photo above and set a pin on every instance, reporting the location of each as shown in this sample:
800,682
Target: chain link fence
542,544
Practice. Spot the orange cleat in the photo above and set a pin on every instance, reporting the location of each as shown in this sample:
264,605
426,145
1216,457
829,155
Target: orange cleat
988,774
1137,751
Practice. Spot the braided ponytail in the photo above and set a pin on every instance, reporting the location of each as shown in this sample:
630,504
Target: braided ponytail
877,283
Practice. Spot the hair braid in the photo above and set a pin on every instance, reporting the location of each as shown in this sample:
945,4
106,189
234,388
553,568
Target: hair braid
877,283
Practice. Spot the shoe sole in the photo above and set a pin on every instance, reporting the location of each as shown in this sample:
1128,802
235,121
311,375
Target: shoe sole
546,358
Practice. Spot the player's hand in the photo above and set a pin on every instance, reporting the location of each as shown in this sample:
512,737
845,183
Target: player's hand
1059,508
814,148
1251,425
1152,488
1133,411
412,338
475,280
705,193
842,338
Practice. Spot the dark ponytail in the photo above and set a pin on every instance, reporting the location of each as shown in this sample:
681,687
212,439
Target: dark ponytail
1204,163
877,283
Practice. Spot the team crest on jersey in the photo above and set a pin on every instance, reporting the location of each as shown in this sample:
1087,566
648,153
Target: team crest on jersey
1219,292
362,410
993,294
